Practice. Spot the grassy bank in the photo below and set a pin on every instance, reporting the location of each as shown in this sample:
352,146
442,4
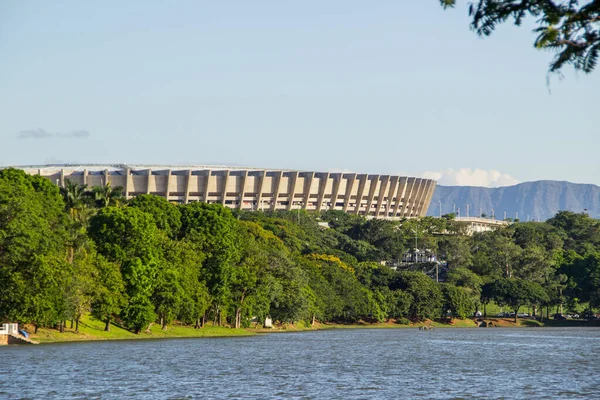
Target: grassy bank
93,329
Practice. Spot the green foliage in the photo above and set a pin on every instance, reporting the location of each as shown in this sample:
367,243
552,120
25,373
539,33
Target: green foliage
457,300
166,215
150,261
426,296
516,293
567,28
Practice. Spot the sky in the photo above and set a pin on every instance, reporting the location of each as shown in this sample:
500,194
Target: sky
388,87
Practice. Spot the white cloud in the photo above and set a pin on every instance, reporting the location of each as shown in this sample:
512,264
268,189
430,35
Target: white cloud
471,177
39,133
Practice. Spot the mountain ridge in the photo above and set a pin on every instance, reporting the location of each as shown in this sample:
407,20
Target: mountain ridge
535,200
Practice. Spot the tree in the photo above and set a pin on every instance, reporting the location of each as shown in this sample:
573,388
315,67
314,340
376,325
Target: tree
107,195
566,27
74,195
33,274
166,215
168,296
109,297
516,293
214,229
457,300
468,280
426,295
129,238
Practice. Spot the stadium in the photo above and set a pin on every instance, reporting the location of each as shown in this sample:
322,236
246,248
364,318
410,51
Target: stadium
369,195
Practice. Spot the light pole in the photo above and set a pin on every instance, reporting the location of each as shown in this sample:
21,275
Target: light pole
416,245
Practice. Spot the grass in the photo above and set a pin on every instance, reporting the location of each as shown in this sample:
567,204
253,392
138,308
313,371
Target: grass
93,329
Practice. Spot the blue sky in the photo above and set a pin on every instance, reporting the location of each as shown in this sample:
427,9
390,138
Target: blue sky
378,87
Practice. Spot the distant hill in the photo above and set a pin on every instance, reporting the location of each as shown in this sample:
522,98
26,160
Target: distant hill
539,200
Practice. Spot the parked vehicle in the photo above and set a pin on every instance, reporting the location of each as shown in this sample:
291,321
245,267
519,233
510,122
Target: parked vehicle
559,317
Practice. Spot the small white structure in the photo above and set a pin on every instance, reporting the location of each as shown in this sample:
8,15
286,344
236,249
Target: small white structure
268,322
9,329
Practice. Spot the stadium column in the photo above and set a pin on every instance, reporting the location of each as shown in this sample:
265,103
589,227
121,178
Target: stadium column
292,189
85,176
224,189
187,186
380,197
322,187
307,186
243,189
390,195
410,190
362,182
207,183
402,184
372,188
126,186
106,177
421,198
168,185
276,188
261,186
417,197
349,188
148,180
336,189
428,197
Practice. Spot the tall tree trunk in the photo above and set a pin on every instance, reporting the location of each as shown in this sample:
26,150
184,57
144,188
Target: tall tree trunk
197,323
71,324
313,320
238,317
163,322
203,320
36,328
107,326
62,326
485,310
77,325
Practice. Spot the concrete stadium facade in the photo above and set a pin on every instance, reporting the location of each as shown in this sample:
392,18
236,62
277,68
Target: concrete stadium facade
370,195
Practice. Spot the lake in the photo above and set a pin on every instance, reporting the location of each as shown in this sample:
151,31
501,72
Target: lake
345,364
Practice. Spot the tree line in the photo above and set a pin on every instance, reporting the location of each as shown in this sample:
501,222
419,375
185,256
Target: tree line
66,252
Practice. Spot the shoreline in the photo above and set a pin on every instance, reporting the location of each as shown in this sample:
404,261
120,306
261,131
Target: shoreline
93,330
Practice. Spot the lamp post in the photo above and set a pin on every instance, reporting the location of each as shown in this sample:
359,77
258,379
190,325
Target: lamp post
416,245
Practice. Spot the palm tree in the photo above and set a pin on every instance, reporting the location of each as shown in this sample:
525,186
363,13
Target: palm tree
74,196
107,195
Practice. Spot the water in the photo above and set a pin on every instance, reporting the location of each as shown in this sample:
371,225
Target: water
344,364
